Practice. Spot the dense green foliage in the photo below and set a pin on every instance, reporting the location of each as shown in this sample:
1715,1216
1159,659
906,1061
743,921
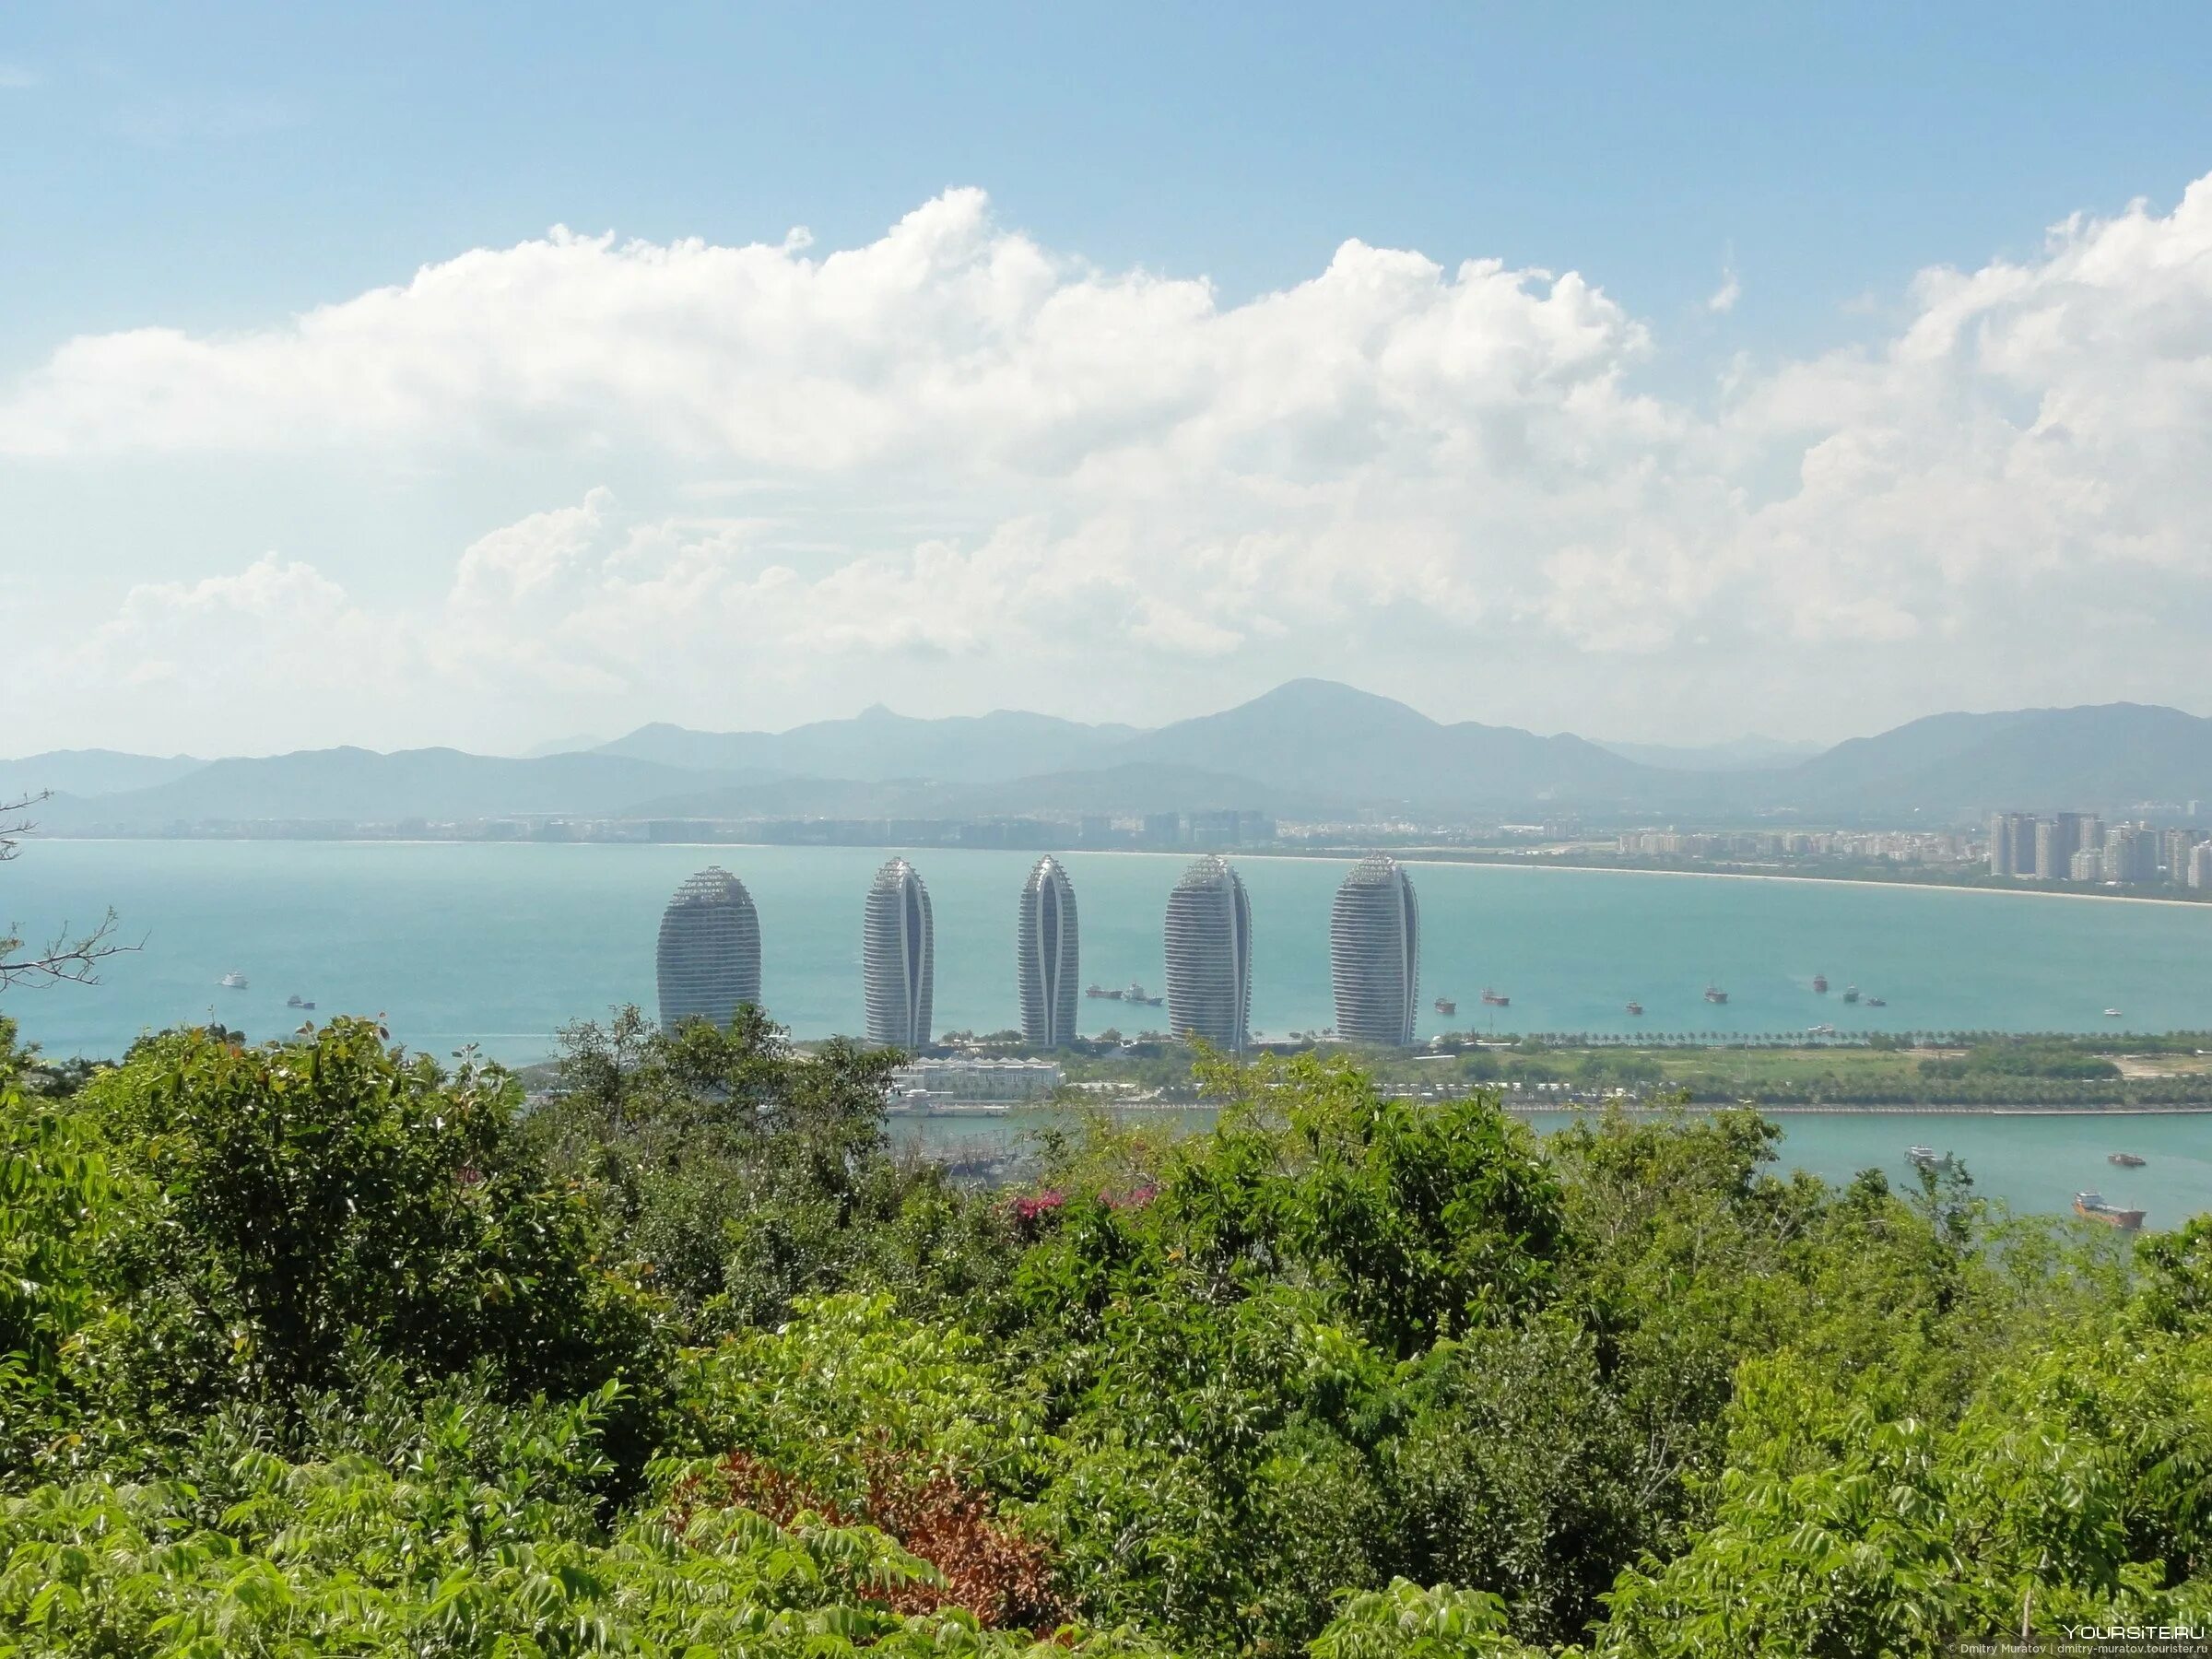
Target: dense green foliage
317,1348
1963,1068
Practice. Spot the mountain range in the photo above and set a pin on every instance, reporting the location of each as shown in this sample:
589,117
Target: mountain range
1308,748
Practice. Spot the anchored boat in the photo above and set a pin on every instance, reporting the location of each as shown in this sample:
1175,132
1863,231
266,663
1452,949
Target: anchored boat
2093,1207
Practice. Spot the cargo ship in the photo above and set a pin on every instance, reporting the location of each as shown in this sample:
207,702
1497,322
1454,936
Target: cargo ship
1444,1004
1496,999
1851,994
1636,1007
2092,1207
1714,993
1820,983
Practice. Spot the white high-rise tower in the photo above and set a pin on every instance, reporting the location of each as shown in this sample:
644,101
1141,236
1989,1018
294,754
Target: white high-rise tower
1046,953
1209,956
1375,954
897,957
708,956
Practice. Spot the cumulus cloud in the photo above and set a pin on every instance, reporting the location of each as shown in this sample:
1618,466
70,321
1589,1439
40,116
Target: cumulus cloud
1400,473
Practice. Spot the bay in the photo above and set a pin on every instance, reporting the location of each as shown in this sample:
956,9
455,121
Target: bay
497,944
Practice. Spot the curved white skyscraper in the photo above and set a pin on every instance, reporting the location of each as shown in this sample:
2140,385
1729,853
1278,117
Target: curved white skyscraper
709,958
1375,954
897,957
1209,956
1047,952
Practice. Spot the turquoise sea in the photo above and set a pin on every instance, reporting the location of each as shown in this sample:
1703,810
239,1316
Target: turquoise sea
497,945
2034,1163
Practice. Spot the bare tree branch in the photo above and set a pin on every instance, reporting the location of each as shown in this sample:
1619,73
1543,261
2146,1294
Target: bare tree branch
65,958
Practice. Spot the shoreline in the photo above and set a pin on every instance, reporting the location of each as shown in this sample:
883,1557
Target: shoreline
1417,855
985,1115
1445,857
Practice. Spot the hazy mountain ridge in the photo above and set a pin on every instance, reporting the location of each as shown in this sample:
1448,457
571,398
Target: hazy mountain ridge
1747,753
2109,755
362,786
878,746
1309,748
1136,787
87,772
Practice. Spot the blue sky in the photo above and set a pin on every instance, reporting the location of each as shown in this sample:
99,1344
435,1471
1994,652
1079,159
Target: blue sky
220,170
206,165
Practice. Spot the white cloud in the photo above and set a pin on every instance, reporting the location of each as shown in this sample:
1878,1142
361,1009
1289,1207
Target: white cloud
1722,299
1444,483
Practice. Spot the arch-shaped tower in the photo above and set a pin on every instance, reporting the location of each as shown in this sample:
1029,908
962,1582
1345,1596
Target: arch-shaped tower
1375,954
897,957
708,961
1046,956
1209,956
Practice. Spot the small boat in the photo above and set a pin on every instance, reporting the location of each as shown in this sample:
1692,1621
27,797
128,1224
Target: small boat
2126,1161
232,980
1927,1158
1496,999
1636,1007
1444,1004
1820,1030
1714,993
1876,1002
2092,1207
1851,994
296,1001
2112,1013
1820,983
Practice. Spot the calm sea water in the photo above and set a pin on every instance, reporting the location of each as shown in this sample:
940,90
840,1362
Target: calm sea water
2034,1164
497,945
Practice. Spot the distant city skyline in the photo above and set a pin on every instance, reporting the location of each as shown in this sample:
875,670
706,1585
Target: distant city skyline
1655,377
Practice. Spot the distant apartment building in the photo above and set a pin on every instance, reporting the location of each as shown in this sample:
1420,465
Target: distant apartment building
2131,854
2200,864
2057,838
936,1084
2051,854
1047,955
2087,865
897,957
2011,843
2173,853
1208,940
708,960
1375,954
